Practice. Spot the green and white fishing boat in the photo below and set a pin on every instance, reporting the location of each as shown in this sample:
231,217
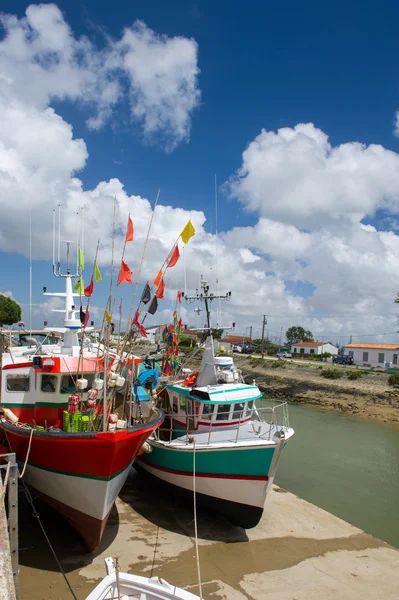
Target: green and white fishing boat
214,437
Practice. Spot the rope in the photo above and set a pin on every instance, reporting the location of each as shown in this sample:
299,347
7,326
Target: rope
37,516
195,526
20,475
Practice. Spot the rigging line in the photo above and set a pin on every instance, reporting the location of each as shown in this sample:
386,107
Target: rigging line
195,525
30,268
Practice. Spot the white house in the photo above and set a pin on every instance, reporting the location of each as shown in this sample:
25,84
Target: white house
313,348
376,355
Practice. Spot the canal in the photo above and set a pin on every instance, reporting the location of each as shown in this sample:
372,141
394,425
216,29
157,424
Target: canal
346,465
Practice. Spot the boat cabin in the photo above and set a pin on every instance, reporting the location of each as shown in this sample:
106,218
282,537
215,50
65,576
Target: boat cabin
211,407
38,391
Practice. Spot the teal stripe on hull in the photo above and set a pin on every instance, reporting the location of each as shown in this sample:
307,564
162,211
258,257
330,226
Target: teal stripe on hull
240,461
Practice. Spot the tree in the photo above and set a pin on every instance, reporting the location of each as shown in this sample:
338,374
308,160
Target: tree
10,311
298,334
217,333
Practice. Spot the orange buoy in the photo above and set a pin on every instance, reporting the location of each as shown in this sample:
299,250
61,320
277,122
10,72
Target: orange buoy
190,380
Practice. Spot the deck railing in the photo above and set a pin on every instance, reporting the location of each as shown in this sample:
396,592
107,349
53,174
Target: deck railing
271,419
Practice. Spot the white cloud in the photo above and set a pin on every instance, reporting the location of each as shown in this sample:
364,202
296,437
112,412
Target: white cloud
163,80
295,176
41,60
310,197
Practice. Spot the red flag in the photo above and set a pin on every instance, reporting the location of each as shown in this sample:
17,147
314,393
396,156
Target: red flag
89,289
180,322
130,231
86,320
158,278
142,330
125,274
174,257
175,338
178,296
136,319
160,289
167,370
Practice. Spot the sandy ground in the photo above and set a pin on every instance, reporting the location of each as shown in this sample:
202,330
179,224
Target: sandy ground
298,551
370,396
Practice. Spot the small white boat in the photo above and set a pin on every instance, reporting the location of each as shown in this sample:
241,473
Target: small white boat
122,586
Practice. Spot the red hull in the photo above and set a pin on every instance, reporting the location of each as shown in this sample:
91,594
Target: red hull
80,474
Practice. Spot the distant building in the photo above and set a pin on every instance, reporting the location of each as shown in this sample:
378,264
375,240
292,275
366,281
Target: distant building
313,348
376,355
232,340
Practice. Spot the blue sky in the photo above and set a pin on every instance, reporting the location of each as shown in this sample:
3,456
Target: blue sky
262,66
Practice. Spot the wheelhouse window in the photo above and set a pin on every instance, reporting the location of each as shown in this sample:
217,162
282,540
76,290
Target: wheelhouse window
238,411
49,383
223,412
175,404
183,403
250,406
207,411
68,382
18,383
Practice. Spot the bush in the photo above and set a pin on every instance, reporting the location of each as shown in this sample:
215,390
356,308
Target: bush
277,364
394,379
331,373
355,374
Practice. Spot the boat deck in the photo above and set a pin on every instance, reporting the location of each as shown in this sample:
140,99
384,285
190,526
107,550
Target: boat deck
244,435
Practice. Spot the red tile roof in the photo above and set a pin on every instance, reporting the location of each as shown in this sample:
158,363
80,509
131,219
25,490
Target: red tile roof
235,339
373,346
312,344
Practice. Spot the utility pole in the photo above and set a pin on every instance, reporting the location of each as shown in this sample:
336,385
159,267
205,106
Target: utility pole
263,333
250,333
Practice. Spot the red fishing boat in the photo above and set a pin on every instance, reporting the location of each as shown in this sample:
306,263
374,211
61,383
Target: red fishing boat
65,414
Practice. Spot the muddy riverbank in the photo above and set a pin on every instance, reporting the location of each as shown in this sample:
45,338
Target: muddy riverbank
369,396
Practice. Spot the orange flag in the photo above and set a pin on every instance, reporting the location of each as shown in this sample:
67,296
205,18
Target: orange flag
125,274
130,231
174,257
158,278
160,289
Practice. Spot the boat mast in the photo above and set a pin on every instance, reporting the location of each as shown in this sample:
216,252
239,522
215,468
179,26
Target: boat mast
205,296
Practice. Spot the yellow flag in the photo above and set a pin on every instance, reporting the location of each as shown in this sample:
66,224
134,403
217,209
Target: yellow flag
97,274
108,316
187,232
80,287
81,259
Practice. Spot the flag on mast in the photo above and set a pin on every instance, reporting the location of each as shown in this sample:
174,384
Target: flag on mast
187,232
158,278
81,259
146,295
88,291
130,230
97,273
125,273
174,257
160,290
79,287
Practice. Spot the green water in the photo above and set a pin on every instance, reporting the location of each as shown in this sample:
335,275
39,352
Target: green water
348,466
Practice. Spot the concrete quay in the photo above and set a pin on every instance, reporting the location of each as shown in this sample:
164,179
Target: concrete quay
297,552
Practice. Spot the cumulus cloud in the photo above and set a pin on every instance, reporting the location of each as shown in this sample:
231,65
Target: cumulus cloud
42,60
295,176
308,197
